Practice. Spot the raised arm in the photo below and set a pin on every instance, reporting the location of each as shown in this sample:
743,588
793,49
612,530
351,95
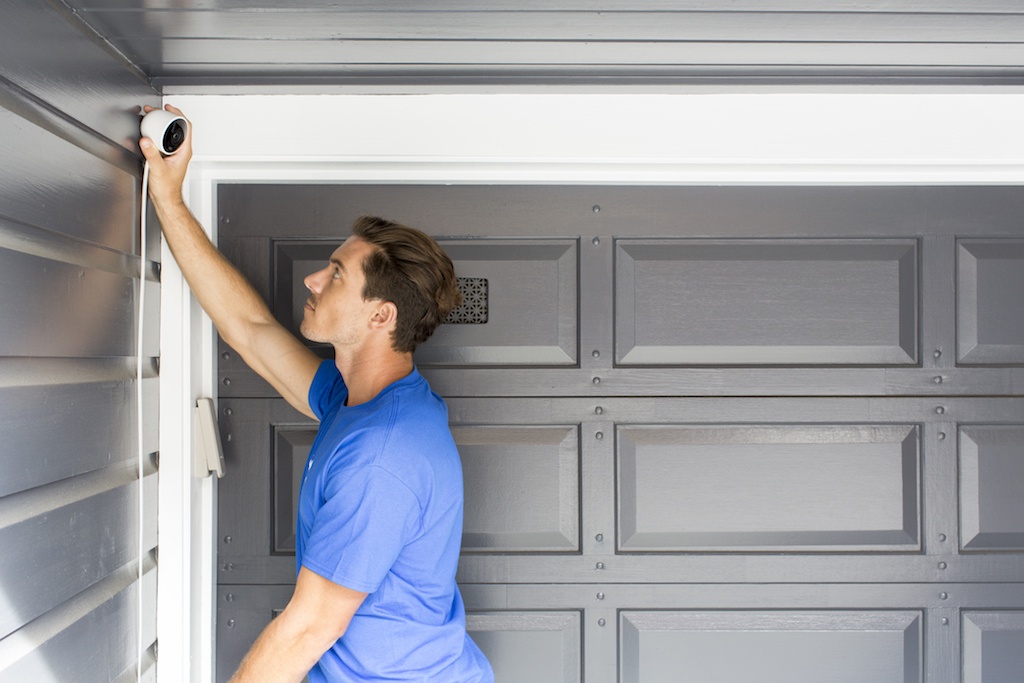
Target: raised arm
238,312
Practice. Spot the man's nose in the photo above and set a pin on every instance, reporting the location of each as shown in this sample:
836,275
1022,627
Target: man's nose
314,281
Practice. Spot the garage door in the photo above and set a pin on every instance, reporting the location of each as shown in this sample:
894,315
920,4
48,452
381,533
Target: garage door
708,433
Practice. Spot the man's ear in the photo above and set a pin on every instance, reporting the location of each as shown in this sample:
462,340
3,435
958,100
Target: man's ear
385,316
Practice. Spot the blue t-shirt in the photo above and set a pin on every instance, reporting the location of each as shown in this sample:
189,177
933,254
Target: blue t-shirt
380,512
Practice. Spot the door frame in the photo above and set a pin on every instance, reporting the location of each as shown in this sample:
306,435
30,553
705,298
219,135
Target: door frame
955,136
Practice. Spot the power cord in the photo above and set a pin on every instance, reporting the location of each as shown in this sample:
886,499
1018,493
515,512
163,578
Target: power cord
141,433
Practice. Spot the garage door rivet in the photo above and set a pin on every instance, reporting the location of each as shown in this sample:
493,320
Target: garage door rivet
227,381
945,621
231,623
937,380
596,208
227,539
599,565
942,565
596,241
940,410
229,436
599,436
595,353
942,436
601,622
944,596
599,538
229,411
230,597
597,380
942,538
226,355
600,596
598,410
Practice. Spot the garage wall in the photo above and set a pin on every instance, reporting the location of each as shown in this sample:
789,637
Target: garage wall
707,432
70,512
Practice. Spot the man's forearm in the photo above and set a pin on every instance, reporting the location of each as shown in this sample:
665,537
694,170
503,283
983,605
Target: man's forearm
279,655
222,291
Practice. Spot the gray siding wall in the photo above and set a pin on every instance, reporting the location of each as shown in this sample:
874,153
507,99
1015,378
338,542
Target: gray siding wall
70,595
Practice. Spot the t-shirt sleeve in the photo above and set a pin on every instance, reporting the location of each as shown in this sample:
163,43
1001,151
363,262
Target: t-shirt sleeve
368,517
328,389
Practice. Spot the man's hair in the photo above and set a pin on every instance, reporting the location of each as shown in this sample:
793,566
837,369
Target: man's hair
409,269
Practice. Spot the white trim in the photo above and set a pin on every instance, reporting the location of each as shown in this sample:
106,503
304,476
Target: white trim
689,138
187,572
713,138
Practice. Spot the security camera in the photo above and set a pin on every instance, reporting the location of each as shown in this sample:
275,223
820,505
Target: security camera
166,130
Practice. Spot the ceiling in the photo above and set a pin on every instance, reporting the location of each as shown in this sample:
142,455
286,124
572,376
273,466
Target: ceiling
188,43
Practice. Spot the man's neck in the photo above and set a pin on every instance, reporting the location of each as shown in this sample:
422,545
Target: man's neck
366,375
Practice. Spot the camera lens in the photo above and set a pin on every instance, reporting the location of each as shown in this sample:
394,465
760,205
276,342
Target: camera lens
174,136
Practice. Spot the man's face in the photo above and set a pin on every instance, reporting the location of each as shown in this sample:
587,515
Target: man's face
335,312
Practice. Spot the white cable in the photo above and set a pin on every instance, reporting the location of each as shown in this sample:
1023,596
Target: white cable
139,359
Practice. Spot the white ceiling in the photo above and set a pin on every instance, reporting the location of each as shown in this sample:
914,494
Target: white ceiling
575,42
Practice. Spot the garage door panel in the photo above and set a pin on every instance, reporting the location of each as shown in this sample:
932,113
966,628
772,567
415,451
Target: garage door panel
771,647
990,308
991,473
766,302
759,487
291,446
530,645
993,645
529,305
521,487
519,304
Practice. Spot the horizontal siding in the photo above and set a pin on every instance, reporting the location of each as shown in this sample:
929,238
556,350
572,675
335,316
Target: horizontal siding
933,6
49,183
573,41
78,76
77,523
96,518
89,638
178,56
330,24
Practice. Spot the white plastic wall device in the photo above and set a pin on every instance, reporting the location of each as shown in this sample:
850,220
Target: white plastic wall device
209,456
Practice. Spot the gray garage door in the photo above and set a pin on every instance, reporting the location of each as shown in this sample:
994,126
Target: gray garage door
709,434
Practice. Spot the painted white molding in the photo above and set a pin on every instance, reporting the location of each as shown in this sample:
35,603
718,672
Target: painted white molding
186,522
642,139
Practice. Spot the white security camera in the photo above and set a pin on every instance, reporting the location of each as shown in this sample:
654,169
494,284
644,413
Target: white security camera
166,130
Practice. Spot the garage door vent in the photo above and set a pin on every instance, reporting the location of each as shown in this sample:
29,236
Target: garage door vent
473,310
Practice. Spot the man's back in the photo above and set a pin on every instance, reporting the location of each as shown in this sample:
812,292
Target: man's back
381,512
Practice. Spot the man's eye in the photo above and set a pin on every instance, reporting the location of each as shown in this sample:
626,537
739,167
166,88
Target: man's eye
336,275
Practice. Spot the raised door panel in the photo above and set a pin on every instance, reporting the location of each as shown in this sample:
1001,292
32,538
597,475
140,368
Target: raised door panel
530,645
771,647
519,304
991,474
993,646
837,488
767,302
990,301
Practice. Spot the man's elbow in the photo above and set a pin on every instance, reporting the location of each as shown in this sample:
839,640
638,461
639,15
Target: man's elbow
308,638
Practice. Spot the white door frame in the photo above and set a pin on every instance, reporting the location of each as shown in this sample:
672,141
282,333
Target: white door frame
939,137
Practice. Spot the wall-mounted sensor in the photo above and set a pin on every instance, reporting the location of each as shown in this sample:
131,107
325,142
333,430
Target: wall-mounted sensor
166,130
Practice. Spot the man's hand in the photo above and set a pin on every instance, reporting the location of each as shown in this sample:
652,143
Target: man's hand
166,174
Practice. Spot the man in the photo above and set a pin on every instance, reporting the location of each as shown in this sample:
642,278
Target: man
380,507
